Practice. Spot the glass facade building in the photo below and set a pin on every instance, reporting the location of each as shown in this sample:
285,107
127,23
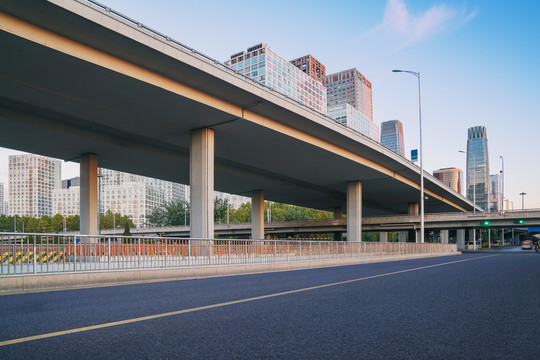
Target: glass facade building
354,119
311,66
351,87
265,66
495,202
478,179
451,177
392,136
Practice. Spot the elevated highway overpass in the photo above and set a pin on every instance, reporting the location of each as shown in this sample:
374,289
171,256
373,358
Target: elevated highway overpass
523,220
83,83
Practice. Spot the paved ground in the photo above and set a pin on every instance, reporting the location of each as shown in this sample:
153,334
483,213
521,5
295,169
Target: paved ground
470,306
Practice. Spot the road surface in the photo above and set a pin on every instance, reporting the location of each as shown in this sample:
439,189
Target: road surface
473,306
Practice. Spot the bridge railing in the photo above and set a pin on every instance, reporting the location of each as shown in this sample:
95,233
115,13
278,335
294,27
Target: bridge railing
27,253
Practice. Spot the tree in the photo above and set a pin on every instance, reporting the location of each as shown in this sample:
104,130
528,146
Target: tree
370,237
242,214
73,223
170,214
126,230
296,213
44,224
57,223
221,205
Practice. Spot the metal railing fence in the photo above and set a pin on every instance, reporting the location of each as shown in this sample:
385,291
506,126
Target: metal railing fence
27,254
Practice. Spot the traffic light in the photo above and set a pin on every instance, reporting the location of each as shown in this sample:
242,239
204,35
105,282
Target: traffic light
520,221
485,222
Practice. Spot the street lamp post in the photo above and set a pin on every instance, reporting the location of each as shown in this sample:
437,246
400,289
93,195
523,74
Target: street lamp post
417,74
522,200
502,185
474,190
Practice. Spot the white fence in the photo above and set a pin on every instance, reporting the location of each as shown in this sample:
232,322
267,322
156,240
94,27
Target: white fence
25,254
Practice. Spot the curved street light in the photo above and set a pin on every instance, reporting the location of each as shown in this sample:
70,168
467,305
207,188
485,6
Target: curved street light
417,74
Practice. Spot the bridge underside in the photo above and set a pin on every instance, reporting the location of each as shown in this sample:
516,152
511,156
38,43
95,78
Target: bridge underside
56,104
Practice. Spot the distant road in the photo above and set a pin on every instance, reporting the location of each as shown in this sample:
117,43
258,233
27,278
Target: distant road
471,306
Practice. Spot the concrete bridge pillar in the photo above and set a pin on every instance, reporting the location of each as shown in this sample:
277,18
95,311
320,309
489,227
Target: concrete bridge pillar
89,194
354,211
383,236
201,181
445,235
338,214
257,215
460,239
472,238
414,210
402,236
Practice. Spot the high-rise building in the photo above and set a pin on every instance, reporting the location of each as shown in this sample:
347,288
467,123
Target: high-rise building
351,87
67,183
451,177
392,136
136,196
265,66
495,202
2,199
127,194
32,179
354,119
478,167
311,66
67,201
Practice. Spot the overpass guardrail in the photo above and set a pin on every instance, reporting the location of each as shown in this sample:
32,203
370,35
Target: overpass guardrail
30,254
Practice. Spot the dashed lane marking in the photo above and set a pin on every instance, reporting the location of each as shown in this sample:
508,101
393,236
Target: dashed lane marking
213,306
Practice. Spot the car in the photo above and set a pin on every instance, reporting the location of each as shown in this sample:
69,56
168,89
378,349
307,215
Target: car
527,245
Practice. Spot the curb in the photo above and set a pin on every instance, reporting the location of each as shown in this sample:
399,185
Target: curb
54,282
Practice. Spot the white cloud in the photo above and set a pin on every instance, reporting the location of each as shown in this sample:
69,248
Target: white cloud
400,29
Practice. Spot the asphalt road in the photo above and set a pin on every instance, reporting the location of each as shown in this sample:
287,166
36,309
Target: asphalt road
470,306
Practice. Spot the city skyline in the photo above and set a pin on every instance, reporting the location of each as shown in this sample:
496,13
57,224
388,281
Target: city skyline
476,60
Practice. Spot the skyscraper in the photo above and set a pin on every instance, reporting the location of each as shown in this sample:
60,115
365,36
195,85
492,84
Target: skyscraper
478,166
495,202
311,66
67,201
351,87
354,119
265,66
2,199
32,179
132,195
67,183
451,177
392,136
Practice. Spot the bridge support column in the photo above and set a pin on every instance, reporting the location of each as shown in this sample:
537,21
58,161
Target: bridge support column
201,181
402,236
460,239
383,236
354,211
89,194
472,238
338,214
257,215
414,210
445,235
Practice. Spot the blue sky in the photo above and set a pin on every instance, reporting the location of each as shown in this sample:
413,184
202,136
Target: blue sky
479,64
